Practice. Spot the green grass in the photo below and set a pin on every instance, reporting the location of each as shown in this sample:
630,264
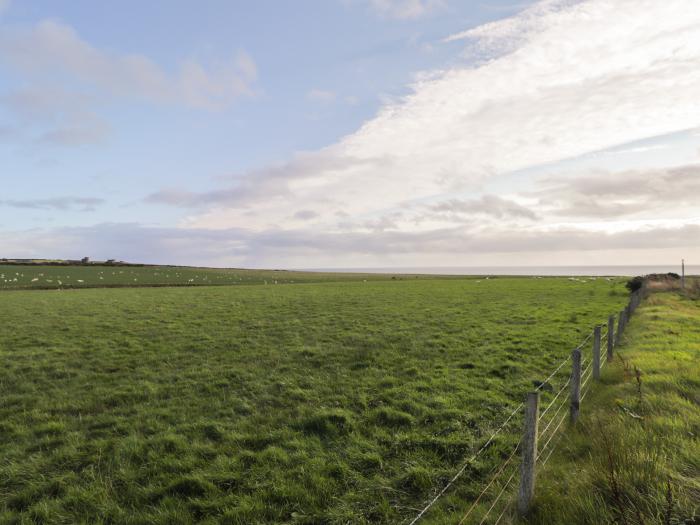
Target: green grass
65,277
335,402
634,456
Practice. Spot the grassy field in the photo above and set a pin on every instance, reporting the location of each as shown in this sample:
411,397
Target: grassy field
19,277
333,402
634,456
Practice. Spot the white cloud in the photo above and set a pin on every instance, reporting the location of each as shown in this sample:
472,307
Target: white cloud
510,33
52,49
298,248
671,193
638,149
577,77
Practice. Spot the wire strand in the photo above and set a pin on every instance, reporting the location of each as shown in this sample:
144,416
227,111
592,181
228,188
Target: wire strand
584,341
483,519
555,398
553,418
464,467
494,478
554,433
498,431
552,374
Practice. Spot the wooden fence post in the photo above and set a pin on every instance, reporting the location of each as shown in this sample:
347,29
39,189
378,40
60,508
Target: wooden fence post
575,385
682,274
529,453
596,353
611,336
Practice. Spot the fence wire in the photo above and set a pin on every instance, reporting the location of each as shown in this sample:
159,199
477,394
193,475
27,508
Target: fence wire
550,444
466,464
493,479
505,486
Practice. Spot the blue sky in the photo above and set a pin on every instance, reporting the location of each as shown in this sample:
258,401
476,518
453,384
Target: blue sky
324,68
349,132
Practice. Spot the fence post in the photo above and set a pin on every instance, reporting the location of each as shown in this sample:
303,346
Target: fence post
529,453
596,353
611,336
682,274
575,385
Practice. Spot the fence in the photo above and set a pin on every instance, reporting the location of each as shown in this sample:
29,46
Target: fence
535,446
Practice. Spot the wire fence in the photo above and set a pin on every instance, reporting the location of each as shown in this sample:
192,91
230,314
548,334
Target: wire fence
495,499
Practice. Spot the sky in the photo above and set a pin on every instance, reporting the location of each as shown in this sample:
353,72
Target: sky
351,133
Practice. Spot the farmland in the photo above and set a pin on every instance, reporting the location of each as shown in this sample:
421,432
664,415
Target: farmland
342,401
18,277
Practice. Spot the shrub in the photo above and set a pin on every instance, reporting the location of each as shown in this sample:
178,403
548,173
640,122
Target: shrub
635,284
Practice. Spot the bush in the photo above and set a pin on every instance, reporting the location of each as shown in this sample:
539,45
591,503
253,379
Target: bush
635,284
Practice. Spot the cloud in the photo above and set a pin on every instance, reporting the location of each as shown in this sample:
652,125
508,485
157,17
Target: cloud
405,9
638,149
52,50
4,5
284,248
508,34
535,89
273,183
320,95
56,203
55,116
549,92
490,205
305,215
659,191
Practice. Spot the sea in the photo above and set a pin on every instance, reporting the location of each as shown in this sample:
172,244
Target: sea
567,271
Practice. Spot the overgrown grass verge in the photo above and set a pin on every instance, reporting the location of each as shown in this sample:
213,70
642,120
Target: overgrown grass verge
634,456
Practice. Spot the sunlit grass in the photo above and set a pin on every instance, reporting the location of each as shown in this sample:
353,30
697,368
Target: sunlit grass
308,403
634,457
